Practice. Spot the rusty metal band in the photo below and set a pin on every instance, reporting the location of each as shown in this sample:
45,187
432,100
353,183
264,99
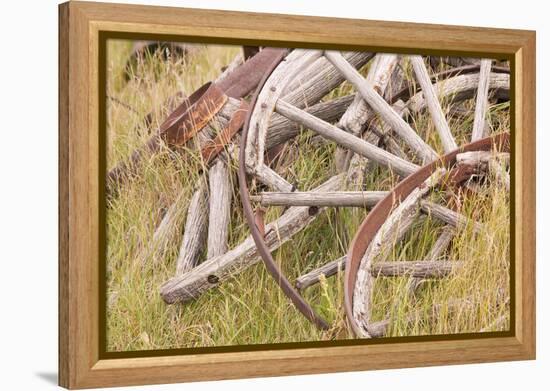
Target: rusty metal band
246,77
198,109
192,115
255,222
218,144
374,220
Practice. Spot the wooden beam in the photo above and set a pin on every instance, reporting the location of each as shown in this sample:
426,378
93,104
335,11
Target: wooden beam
449,216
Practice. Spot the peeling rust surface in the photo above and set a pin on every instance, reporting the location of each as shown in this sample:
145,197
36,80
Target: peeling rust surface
192,115
215,146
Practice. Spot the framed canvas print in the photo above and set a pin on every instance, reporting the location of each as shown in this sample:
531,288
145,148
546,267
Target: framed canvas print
251,195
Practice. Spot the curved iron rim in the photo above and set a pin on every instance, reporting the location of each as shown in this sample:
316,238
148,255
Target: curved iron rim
376,217
173,127
263,250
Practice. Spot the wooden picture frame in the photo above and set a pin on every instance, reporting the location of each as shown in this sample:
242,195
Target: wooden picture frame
82,25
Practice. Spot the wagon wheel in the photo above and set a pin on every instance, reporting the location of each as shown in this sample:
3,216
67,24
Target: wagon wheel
393,215
280,102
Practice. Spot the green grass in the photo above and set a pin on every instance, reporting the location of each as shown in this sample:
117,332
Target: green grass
250,309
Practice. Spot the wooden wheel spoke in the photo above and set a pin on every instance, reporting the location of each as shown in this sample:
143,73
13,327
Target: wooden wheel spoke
306,198
194,234
425,269
417,269
358,113
434,106
343,138
440,245
269,177
449,216
314,276
480,115
220,209
379,105
359,199
282,129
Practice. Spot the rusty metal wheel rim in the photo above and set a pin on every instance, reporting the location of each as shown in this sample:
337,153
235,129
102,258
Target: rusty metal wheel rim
378,215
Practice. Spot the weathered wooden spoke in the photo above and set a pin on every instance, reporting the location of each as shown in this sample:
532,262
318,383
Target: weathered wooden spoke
417,269
449,144
478,131
359,146
356,115
195,230
308,198
220,212
439,247
327,270
366,199
378,104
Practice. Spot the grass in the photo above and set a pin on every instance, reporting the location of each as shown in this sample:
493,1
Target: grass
250,309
